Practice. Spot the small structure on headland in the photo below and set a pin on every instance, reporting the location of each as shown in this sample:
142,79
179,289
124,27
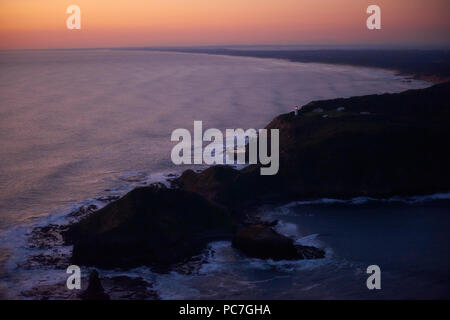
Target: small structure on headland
297,109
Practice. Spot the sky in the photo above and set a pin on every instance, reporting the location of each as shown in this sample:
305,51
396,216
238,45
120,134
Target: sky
32,24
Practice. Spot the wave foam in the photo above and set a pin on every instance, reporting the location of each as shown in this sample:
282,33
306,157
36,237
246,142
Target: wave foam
363,200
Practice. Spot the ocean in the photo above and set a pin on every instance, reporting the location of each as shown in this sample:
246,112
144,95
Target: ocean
78,126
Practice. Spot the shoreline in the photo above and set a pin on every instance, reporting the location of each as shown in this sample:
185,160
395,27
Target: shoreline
338,57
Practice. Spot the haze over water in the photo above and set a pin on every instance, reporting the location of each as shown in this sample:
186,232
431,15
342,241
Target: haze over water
75,122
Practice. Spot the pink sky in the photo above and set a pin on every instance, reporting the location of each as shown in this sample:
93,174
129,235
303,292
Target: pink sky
114,23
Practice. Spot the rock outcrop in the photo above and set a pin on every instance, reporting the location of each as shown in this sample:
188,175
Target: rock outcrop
261,241
95,289
150,225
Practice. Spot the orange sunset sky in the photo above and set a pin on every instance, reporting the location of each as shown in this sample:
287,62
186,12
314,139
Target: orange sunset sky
115,23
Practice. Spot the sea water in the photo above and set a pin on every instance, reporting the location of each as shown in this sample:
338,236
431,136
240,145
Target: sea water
76,125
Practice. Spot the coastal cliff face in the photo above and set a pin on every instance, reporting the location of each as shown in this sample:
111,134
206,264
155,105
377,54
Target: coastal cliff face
377,145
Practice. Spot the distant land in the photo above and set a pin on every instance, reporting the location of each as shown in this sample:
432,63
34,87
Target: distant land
429,65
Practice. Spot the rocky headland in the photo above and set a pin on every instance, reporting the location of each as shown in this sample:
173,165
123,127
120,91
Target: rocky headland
376,145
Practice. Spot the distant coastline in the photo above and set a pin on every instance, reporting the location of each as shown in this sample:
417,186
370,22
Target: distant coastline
427,65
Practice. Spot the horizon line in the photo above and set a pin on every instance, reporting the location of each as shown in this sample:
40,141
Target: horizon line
299,47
